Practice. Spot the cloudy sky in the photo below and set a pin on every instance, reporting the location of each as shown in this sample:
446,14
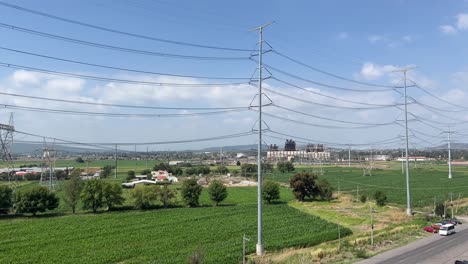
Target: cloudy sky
347,52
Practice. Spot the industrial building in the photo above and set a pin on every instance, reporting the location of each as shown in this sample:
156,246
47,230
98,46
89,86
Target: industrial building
311,152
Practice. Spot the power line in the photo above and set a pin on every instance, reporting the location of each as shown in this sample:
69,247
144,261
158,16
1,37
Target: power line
323,105
123,69
118,31
437,97
105,79
332,119
87,113
120,105
332,97
330,74
323,84
117,48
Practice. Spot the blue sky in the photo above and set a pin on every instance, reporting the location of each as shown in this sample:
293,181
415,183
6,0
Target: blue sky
359,40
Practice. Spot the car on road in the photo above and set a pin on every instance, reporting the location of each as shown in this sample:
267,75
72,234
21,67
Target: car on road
455,221
430,229
436,226
447,229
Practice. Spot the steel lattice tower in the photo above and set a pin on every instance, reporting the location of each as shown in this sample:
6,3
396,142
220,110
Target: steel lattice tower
6,140
48,167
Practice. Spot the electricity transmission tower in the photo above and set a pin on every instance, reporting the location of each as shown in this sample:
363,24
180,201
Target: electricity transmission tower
48,177
6,139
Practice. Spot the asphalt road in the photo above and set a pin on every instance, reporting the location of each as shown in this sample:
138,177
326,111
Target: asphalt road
435,249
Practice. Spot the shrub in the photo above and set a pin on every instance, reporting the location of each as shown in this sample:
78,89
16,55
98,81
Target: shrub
271,191
37,199
191,192
112,195
92,194
106,171
363,198
32,176
380,198
71,191
6,199
217,191
325,190
166,195
145,196
303,185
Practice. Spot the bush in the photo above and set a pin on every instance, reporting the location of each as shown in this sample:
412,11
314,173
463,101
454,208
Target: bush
363,198
145,196
6,199
166,195
191,192
106,171
303,185
222,169
130,175
37,199
325,190
146,172
92,194
217,191
71,191
285,166
32,176
380,198
112,195
270,191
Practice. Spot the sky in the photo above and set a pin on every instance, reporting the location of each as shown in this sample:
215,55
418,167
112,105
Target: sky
340,45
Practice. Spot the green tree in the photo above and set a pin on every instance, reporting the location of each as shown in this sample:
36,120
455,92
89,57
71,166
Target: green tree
162,166
191,192
6,199
217,191
248,169
72,190
145,196
285,166
37,199
439,209
380,198
271,191
325,189
146,172
204,170
92,194
112,193
177,171
79,160
303,185
238,163
106,171
222,169
267,167
130,175
166,195
191,171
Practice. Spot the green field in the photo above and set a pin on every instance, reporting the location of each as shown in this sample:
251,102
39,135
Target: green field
158,236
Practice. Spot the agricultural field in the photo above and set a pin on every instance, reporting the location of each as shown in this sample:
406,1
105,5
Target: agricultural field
158,236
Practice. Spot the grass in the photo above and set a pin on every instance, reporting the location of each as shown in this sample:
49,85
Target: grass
161,236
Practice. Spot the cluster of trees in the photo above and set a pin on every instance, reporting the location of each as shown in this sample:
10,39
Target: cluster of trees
198,170
34,200
308,185
175,170
285,166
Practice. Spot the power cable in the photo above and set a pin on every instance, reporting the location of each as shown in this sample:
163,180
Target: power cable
117,48
118,31
105,79
123,69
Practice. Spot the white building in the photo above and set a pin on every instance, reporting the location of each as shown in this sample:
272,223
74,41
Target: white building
297,155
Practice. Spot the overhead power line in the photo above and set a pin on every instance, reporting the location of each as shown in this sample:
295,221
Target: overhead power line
331,74
117,48
437,97
89,113
105,79
123,69
121,105
101,144
119,31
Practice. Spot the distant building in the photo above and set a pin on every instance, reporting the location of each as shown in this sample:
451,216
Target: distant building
175,162
310,153
379,157
417,158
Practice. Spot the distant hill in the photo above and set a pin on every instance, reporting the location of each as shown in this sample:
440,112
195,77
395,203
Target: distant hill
25,148
454,146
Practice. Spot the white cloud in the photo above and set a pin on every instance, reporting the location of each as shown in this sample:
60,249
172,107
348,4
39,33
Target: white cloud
447,29
22,77
371,71
462,21
408,38
375,38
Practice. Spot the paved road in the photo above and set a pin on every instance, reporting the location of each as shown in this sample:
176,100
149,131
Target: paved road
431,250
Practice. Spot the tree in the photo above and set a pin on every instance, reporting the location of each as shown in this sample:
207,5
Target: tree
285,166
79,160
166,195
248,169
163,166
217,191
37,199
303,185
238,163
112,193
6,199
191,171
145,196
439,209
106,171
222,169
380,198
191,192
267,167
204,170
71,191
146,172
177,171
325,189
130,175
271,191
92,194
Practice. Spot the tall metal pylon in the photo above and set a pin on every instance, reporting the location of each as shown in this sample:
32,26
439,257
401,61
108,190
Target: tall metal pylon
6,140
259,248
449,155
48,177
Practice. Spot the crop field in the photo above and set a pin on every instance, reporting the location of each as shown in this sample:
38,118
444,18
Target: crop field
158,236
426,182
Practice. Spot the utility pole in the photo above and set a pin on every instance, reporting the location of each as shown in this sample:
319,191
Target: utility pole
259,248
434,205
349,156
402,169
372,226
357,193
136,160
243,248
449,156
147,157
408,195
451,203
115,159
